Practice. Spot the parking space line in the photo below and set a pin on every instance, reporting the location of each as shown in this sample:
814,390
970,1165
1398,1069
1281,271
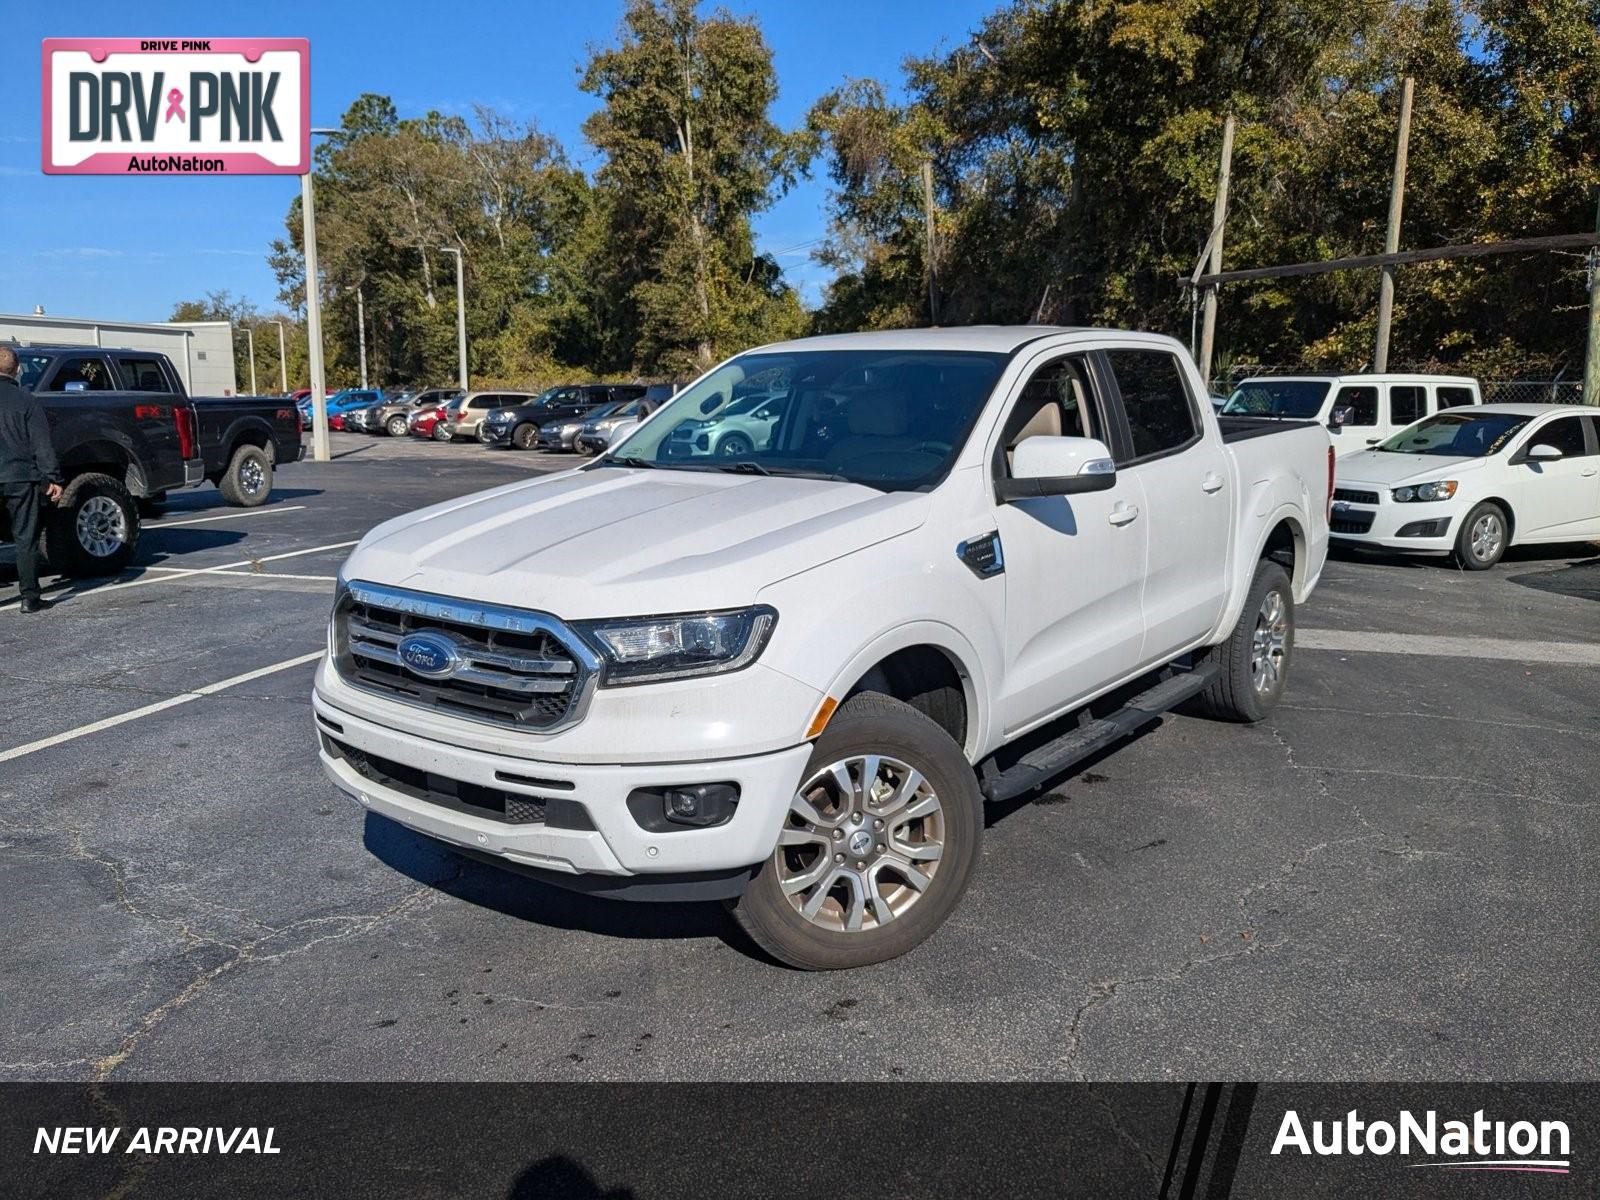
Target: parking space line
248,512
171,574
210,689
1428,645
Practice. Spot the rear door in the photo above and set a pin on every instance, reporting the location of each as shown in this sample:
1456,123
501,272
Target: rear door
1072,566
1559,498
1187,482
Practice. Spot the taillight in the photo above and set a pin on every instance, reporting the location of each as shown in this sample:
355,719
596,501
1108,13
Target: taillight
1330,483
183,417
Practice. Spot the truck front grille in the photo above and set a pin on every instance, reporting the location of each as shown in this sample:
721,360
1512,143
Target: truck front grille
509,666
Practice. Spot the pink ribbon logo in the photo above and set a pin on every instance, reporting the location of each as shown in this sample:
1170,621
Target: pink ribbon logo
175,105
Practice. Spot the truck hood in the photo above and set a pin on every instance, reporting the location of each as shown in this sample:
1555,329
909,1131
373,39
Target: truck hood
616,542
1389,469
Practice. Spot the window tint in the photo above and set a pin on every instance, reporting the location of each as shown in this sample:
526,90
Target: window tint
1364,402
1565,434
1454,397
1407,403
143,375
83,375
1160,416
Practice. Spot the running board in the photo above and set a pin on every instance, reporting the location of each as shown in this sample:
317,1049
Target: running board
1051,760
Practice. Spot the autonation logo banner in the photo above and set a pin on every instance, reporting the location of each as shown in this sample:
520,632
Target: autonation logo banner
169,106
1474,1144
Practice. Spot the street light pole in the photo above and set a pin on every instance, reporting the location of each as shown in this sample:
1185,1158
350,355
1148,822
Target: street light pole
319,391
461,314
283,365
250,342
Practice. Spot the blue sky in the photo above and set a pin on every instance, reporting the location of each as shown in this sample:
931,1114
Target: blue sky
128,248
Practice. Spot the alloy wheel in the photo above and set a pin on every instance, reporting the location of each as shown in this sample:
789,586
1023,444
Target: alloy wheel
862,843
1487,537
102,526
1269,643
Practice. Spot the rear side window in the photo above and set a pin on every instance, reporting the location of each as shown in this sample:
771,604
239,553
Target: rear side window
83,374
1407,403
143,375
1454,397
1160,415
1364,402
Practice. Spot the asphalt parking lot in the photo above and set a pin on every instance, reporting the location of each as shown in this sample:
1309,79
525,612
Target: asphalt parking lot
1392,879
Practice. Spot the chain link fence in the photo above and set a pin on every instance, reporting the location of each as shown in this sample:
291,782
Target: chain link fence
1495,391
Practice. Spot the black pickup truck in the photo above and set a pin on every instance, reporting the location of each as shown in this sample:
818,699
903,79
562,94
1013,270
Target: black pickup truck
127,434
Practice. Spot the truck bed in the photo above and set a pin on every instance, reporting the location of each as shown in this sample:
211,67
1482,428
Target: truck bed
1242,429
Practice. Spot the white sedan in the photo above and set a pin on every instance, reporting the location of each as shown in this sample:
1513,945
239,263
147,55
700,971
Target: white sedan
1473,481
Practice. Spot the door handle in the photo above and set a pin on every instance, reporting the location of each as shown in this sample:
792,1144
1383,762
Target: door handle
1212,482
1587,471
1373,441
1123,514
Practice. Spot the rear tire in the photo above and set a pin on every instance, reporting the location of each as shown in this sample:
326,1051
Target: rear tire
1256,657
525,437
1483,537
94,530
248,480
441,434
865,873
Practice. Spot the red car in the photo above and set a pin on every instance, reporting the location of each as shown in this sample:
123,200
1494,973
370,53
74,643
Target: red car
423,422
336,421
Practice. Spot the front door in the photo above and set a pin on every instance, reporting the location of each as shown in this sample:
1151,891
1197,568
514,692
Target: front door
1559,497
1074,565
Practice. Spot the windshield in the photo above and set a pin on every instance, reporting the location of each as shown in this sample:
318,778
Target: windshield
1297,398
1457,434
599,414
889,419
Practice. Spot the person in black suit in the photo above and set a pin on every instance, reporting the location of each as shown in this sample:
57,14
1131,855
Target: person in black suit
28,471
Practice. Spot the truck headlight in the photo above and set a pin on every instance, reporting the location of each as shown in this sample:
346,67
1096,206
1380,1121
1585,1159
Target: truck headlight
1441,490
650,649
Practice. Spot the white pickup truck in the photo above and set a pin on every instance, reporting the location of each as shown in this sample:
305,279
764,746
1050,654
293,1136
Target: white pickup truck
960,561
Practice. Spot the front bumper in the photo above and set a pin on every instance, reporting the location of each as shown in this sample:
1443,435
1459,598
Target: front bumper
494,435
615,844
1426,528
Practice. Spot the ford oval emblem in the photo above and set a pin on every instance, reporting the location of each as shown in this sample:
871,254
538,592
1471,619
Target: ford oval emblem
431,655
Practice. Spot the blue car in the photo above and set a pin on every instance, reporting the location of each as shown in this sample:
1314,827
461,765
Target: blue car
341,402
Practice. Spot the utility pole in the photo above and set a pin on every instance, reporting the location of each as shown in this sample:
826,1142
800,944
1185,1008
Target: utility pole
250,342
1591,358
1219,222
461,313
283,362
361,332
927,208
319,390
1391,239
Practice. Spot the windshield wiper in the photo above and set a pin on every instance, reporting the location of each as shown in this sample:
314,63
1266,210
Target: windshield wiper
632,460
744,467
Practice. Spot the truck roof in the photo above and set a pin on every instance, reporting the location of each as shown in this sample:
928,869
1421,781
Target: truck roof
995,339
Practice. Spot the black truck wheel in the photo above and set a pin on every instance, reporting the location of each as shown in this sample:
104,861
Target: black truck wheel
878,845
248,480
94,530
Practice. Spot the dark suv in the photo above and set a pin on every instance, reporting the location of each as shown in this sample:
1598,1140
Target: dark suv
519,426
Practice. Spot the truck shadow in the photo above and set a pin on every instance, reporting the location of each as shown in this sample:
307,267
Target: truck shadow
1443,562
435,865
1579,580
206,500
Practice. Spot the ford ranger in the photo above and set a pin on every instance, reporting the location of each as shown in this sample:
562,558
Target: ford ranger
960,561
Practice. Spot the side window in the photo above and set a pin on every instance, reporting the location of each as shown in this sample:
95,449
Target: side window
1364,402
143,375
1454,397
1161,416
83,374
1055,402
1565,434
1407,403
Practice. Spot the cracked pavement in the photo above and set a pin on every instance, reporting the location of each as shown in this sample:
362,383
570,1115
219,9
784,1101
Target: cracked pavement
1390,879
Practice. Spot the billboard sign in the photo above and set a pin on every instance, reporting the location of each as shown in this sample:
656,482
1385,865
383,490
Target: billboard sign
177,106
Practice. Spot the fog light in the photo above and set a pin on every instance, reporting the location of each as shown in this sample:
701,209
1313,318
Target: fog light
692,805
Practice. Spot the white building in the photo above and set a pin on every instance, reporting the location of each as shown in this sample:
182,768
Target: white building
202,351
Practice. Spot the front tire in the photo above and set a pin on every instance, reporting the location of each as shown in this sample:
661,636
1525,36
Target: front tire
878,844
248,480
1256,657
735,445
1483,537
397,427
93,530
525,437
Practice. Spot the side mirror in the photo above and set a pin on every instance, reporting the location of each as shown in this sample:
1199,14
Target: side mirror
1057,466
1543,452
1341,416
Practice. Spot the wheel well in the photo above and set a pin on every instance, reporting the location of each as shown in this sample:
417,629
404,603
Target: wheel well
1283,547
103,458
925,678
258,438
